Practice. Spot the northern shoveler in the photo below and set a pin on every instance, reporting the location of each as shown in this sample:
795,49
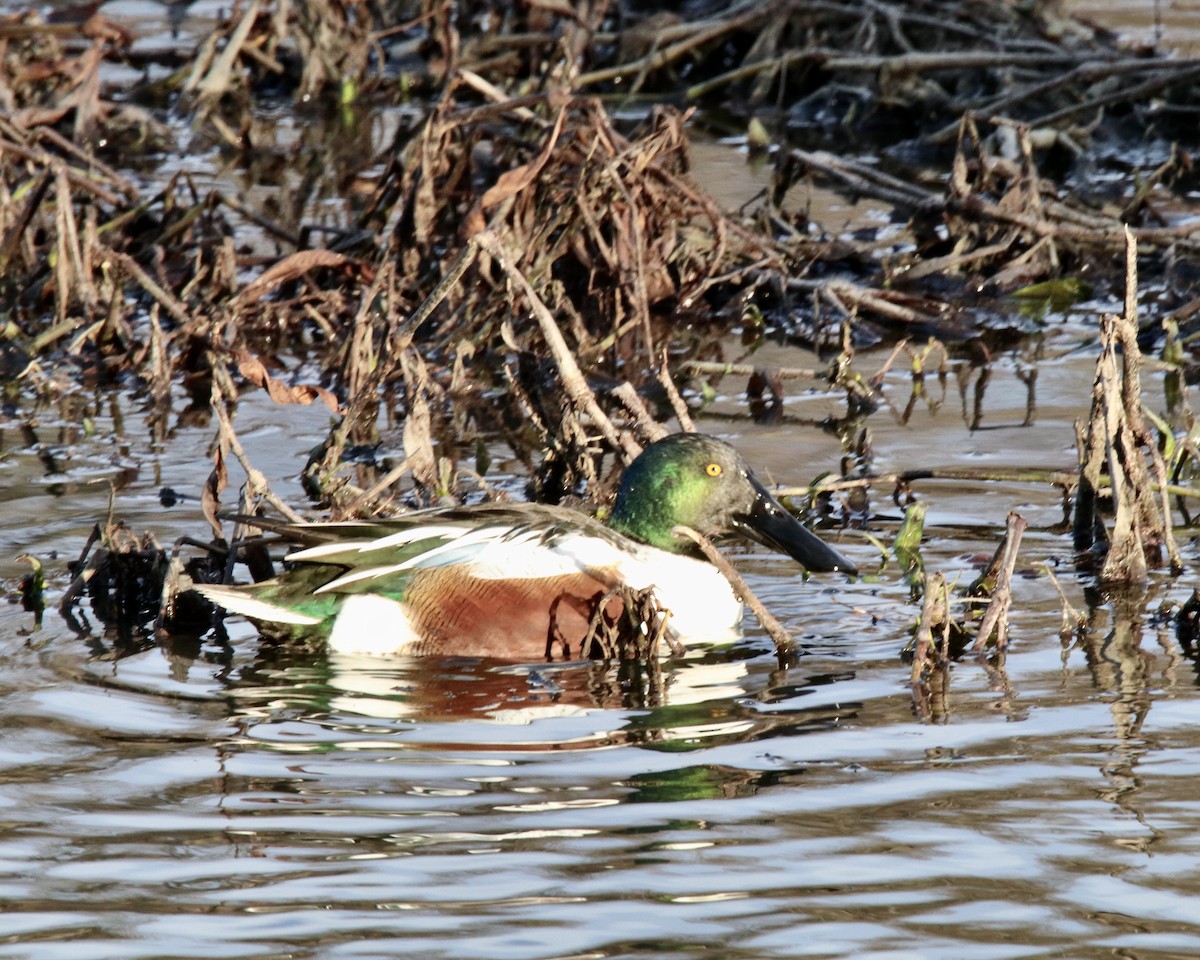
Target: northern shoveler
517,581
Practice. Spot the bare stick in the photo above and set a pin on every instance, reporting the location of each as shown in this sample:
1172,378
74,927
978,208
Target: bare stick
500,98
661,58
676,401
933,612
1071,616
216,81
439,293
371,494
1191,69
133,269
222,391
1058,478
79,178
951,60
841,292
649,427
273,228
995,618
91,162
860,178
1085,73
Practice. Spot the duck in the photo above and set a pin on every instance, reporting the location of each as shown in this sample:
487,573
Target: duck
520,582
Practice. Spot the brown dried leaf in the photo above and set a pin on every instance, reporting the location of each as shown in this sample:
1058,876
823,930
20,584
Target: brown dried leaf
210,498
250,367
512,182
99,27
291,267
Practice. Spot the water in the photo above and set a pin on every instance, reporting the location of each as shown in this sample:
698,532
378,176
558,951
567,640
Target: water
191,799
195,800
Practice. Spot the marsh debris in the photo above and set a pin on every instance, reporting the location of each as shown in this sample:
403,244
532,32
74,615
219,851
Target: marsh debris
1118,446
122,576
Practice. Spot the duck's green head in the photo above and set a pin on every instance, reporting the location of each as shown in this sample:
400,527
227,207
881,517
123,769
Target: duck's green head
703,483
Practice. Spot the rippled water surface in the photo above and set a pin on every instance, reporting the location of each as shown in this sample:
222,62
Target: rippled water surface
200,799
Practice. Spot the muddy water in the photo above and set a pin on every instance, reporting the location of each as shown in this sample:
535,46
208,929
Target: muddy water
1165,24
192,799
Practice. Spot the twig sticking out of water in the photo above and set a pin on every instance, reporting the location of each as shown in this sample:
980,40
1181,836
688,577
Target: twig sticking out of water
1118,441
996,582
939,637
1072,619
223,393
935,617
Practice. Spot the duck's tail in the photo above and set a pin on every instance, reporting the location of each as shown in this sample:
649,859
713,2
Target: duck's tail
254,606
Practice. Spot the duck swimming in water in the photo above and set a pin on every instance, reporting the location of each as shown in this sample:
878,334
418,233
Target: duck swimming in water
519,581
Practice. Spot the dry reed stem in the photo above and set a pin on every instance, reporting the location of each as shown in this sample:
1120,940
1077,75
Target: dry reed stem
850,298
417,431
371,498
1117,439
935,616
647,426
1059,478
703,33
131,268
1000,572
1072,619
1184,71
223,392
677,405
712,367
218,78
1131,401
81,180
256,217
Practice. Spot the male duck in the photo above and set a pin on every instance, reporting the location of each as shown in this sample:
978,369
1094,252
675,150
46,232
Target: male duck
500,580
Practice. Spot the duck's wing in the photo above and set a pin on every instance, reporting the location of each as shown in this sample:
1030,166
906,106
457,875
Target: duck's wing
486,542
525,544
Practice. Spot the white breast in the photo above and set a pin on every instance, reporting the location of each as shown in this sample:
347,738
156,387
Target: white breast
703,607
702,604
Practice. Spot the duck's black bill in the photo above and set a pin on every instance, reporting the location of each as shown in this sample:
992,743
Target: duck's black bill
772,526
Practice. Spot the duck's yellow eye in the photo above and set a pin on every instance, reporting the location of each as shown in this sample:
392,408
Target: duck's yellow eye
713,469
